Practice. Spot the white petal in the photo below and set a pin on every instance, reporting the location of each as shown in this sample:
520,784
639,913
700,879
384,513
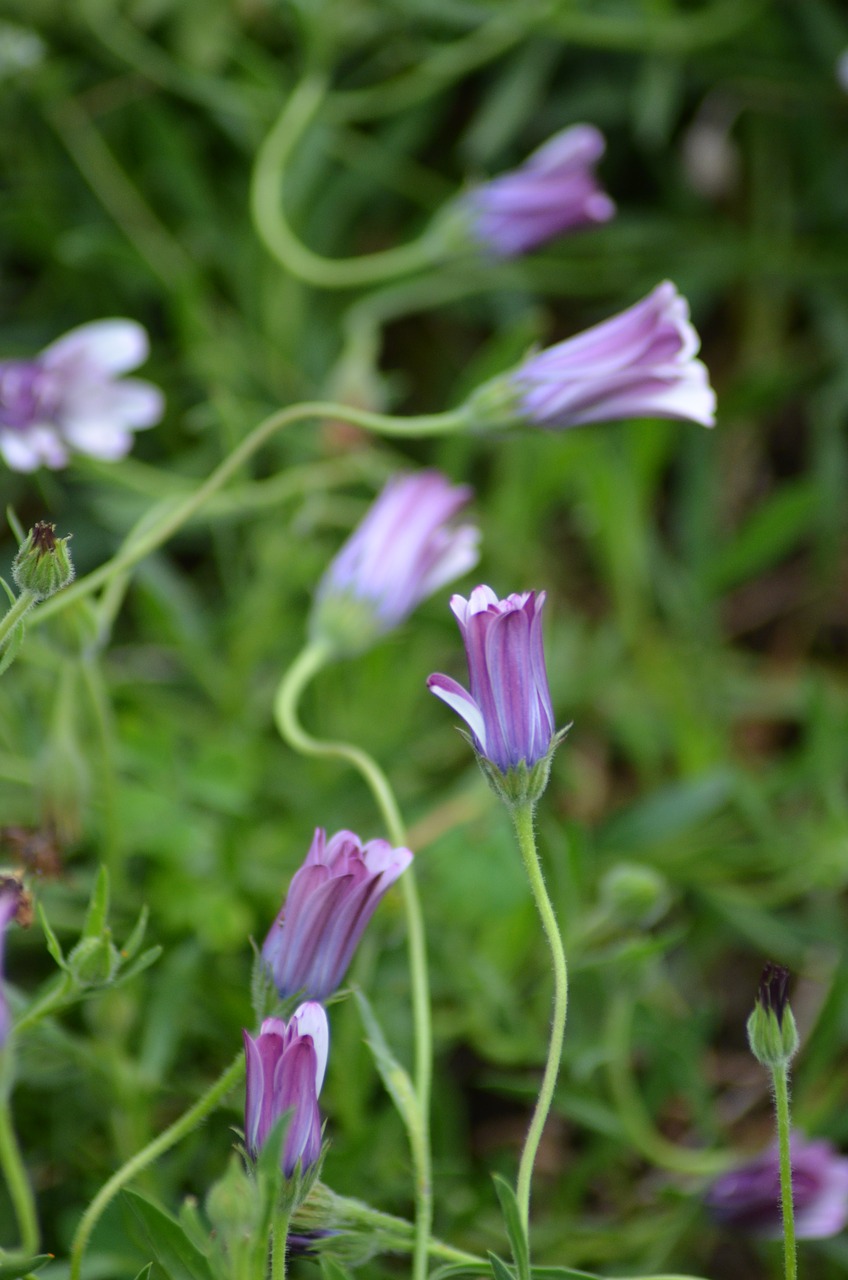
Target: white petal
311,1020
112,346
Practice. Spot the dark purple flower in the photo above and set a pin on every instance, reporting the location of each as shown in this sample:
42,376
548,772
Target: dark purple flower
748,1198
508,709
285,1070
330,901
71,399
10,901
403,551
554,191
639,364
773,990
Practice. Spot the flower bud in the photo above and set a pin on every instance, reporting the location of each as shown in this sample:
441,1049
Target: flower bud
634,895
94,962
772,1033
43,563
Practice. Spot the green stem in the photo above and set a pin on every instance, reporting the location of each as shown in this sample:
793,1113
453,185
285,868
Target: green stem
780,1077
523,818
267,197
16,612
278,1244
306,665
140,1161
20,1191
153,537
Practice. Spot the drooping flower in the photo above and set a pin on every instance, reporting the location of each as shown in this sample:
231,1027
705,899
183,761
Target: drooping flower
748,1198
508,708
403,551
72,399
553,192
639,364
286,1063
330,901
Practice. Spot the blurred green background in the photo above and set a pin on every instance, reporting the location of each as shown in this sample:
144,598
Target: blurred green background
697,617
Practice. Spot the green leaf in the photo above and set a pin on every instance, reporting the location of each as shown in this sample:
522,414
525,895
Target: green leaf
332,1270
394,1076
462,1271
9,592
163,1236
12,646
98,908
514,1227
566,1273
144,1273
136,938
144,961
500,1271
15,1270
15,524
50,938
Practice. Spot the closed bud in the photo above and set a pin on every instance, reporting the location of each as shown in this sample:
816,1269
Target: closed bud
43,563
772,1033
94,962
635,896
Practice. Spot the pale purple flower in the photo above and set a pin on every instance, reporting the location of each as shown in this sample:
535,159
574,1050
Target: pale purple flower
286,1063
508,708
553,192
330,901
405,549
748,1198
72,399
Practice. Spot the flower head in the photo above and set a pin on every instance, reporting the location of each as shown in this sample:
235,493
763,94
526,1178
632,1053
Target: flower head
43,564
285,1070
748,1198
71,398
554,191
639,364
508,708
330,901
403,551
772,1033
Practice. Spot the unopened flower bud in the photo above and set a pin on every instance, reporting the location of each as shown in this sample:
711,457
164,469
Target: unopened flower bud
772,1033
94,962
634,895
43,563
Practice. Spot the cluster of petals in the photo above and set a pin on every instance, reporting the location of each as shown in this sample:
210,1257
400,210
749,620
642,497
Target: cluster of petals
748,1198
71,398
405,549
553,192
639,364
286,1063
330,901
508,707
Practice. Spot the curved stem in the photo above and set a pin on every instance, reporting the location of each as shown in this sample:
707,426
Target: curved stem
780,1077
267,203
306,665
523,818
154,536
15,613
631,1110
140,1161
17,1182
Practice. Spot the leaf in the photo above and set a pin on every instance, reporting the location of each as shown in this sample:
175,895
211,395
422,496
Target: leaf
163,1236
144,961
15,524
50,938
15,1270
500,1270
332,1271
13,646
98,908
462,1271
394,1076
136,938
144,1273
567,1273
514,1227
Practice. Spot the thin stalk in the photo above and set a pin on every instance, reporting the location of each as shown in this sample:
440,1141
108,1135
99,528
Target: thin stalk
278,1244
267,195
309,662
140,1161
143,544
523,818
17,1182
780,1078
15,613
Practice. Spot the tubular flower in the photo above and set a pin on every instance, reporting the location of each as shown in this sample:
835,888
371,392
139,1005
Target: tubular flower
748,1198
71,398
553,192
330,901
639,364
508,708
403,551
285,1070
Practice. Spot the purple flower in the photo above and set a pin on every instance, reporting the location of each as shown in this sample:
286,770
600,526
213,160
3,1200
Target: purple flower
285,1070
10,901
71,399
403,551
509,708
330,901
554,191
639,364
748,1198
